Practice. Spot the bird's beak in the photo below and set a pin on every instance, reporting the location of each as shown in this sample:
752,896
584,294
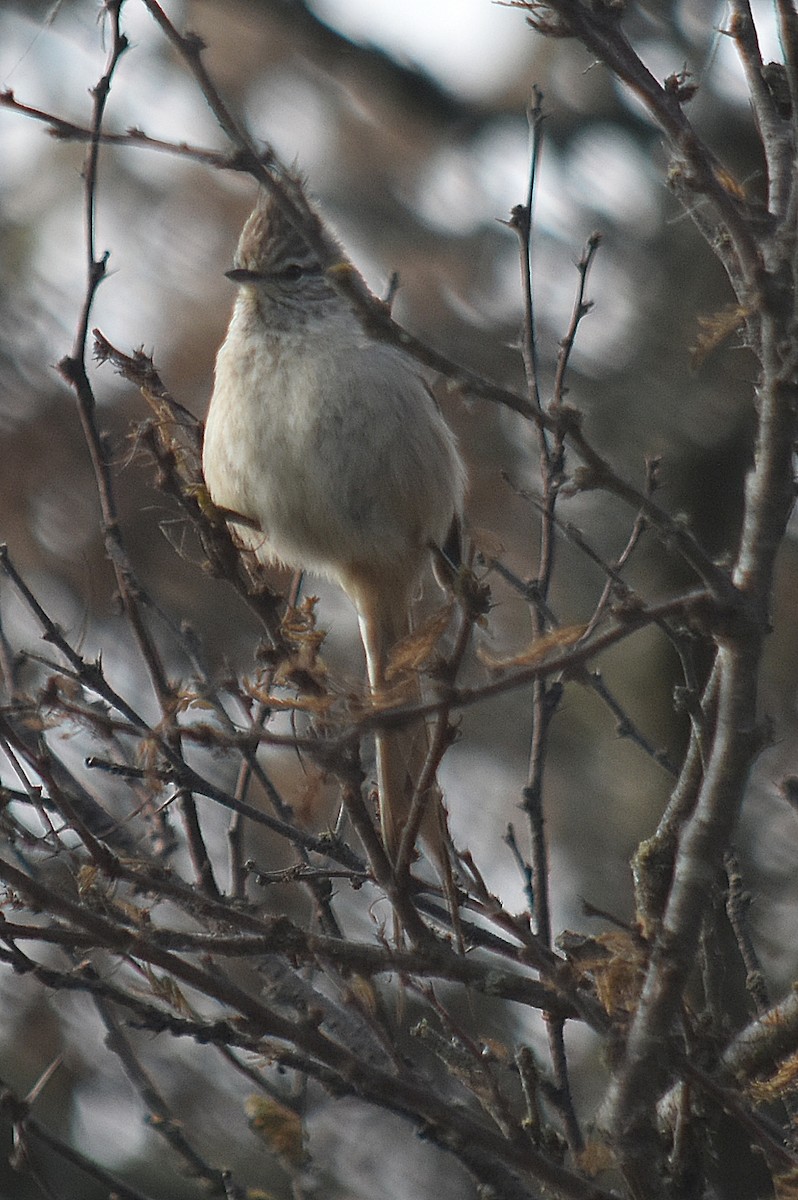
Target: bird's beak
242,275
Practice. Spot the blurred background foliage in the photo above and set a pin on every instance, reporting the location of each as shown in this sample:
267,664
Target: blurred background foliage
409,122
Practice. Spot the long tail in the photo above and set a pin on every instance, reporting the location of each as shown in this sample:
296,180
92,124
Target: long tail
401,753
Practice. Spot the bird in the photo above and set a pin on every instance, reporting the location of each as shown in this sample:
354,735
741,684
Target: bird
330,447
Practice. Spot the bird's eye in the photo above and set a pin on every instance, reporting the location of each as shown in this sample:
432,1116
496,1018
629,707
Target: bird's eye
292,272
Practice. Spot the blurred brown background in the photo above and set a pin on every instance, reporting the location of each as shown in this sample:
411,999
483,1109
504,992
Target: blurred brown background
409,121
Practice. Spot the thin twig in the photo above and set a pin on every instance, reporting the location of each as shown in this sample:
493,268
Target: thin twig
774,133
28,1126
579,311
74,371
158,1111
521,221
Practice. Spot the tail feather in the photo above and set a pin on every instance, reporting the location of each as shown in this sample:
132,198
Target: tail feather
401,753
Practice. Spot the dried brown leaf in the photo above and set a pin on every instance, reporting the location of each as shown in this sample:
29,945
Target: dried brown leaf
278,1125
615,961
595,1158
729,183
783,1080
538,650
302,669
87,879
185,699
619,980
166,989
785,1187
715,330
317,704
363,990
412,652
